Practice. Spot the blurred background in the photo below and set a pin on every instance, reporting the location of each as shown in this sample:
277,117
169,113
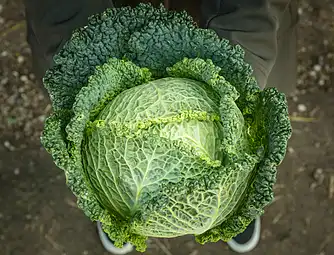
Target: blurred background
38,214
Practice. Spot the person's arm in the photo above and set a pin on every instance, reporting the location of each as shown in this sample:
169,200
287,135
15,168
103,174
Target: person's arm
50,23
256,26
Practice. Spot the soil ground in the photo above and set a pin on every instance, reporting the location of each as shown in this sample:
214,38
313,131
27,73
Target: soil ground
38,215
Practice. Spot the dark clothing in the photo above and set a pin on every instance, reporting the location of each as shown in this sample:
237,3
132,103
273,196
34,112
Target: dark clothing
264,28
266,31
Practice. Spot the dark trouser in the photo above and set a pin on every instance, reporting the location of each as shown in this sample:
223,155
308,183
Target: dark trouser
265,29
284,72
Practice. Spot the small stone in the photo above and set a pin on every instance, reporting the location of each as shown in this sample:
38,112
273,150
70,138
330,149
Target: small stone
300,11
319,176
313,185
41,118
317,68
300,81
2,20
24,78
20,59
32,76
9,146
295,99
41,97
321,82
4,81
15,73
302,108
301,169
1,8
4,54
313,73
16,171
291,150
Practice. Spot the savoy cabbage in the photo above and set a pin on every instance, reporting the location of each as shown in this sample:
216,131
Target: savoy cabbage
161,129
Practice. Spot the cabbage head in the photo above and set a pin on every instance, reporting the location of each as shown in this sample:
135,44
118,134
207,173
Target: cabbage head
160,128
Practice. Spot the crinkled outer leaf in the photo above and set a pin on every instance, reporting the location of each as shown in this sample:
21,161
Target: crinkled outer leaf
161,129
105,36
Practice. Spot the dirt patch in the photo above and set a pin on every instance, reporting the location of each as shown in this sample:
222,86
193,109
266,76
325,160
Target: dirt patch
38,215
